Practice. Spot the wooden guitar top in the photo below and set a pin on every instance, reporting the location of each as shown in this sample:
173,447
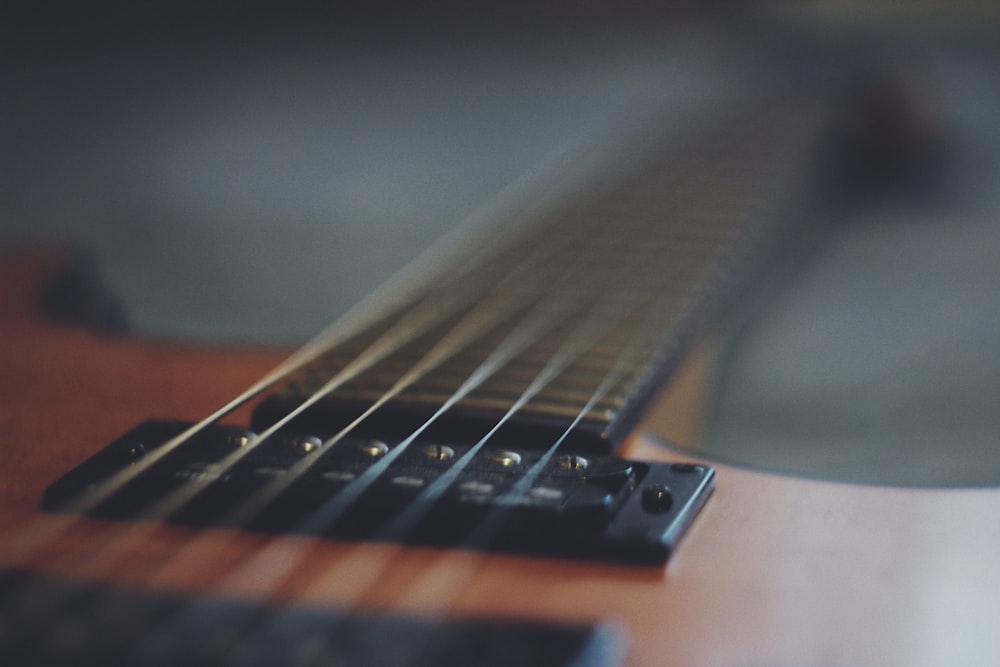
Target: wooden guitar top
775,571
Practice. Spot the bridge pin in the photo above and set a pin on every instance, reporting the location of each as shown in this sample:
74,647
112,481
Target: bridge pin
310,444
373,448
438,452
504,457
572,462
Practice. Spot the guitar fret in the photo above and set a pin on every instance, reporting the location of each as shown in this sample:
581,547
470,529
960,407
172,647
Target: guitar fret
598,414
503,390
507,383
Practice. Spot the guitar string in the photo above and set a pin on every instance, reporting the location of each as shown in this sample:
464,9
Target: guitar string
529,331
265,566
439,589
504,300
446,581
324,517
547,314
471,385
31,538
417,321
142,533
24,539
272,561
591,403
486,528
403,523
600,322
296,361
362,569
608,314
477,322
49,607
485,313
477,538
24,542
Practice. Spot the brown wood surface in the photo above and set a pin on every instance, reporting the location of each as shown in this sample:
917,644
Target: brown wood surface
776,571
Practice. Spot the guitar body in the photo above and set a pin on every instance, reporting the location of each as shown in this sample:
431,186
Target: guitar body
775,570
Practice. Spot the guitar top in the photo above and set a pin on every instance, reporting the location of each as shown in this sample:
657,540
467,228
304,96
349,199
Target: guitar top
545,338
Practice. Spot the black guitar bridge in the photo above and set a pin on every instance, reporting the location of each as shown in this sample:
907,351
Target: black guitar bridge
577,505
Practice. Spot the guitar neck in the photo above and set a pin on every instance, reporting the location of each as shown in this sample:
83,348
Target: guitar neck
568,324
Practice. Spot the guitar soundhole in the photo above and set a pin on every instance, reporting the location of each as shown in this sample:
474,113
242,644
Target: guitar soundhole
500,498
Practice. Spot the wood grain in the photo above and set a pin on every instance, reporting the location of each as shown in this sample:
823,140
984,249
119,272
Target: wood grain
776,571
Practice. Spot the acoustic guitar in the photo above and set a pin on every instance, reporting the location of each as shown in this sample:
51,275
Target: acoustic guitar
470,468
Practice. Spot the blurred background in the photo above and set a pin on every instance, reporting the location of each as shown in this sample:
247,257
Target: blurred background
245,172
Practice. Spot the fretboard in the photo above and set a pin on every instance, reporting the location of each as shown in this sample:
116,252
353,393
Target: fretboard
571,323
